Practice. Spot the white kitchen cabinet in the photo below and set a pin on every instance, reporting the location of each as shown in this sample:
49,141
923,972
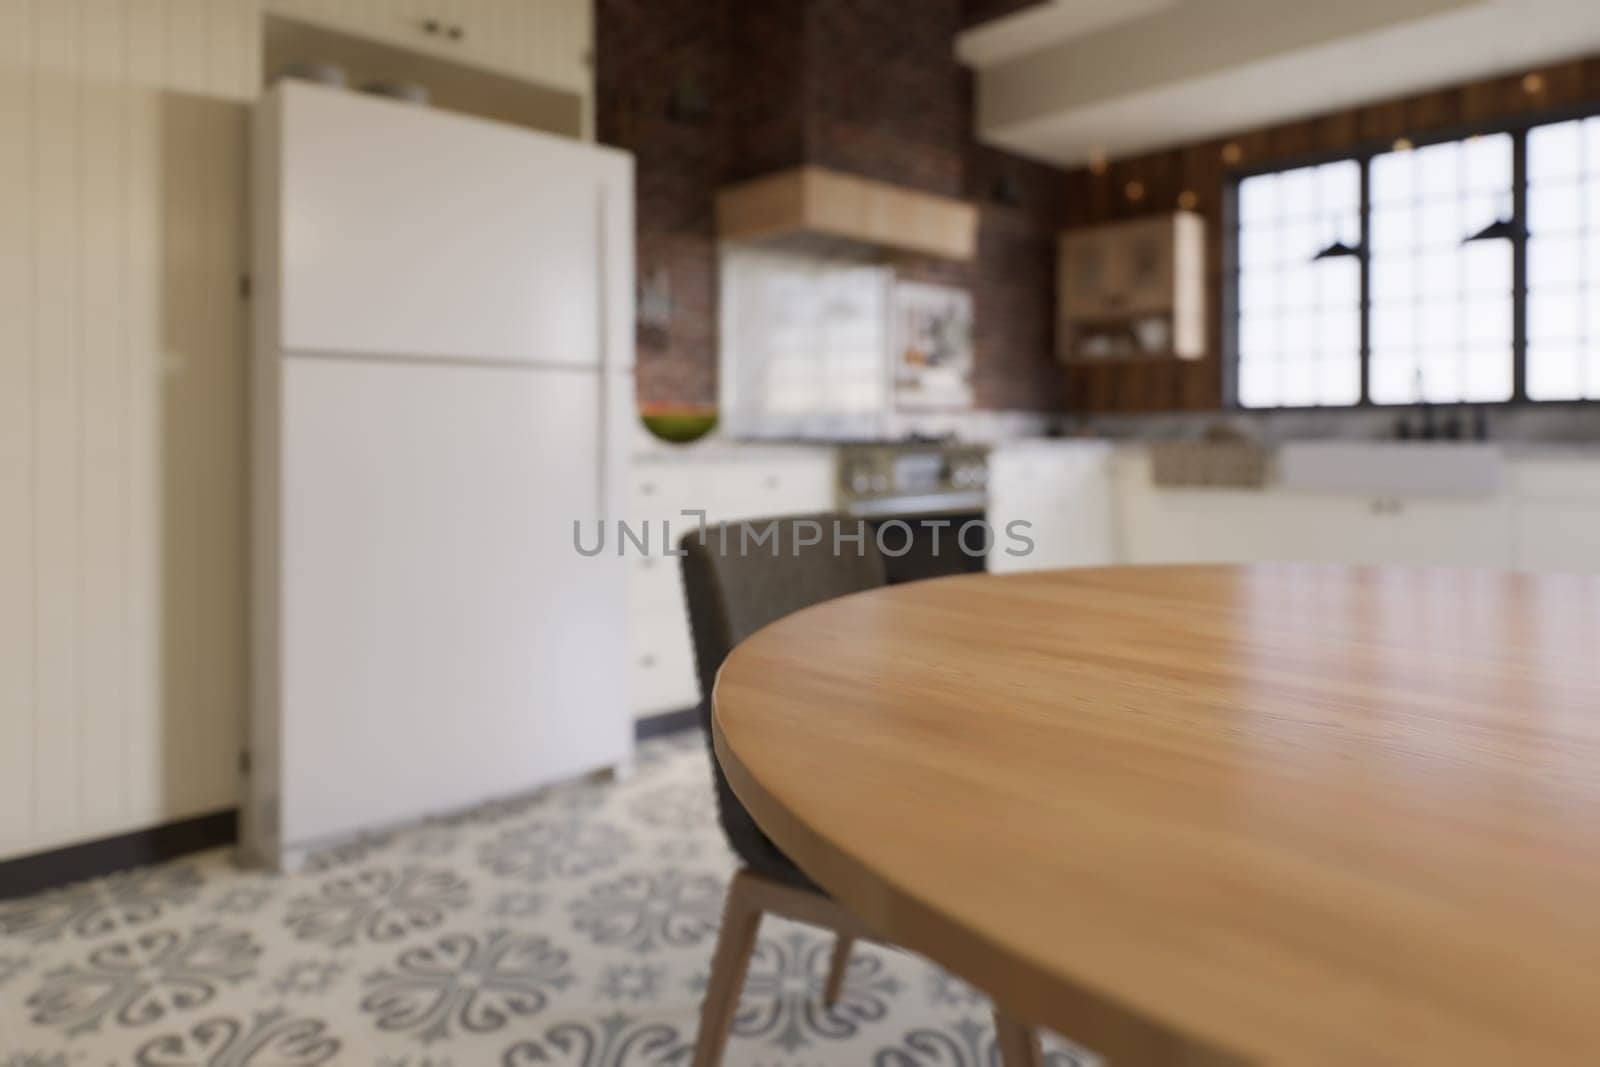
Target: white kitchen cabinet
1554,536
1206,526
1556,513
1063,491
729,483
1199,525
782,485
1436,531
662,673
545,41
1161,525
390,251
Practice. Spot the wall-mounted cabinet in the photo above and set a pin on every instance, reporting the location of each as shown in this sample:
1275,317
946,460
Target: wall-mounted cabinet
536,97
1133,290
545,41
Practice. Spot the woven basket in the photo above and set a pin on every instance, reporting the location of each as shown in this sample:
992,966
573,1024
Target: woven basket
1208,465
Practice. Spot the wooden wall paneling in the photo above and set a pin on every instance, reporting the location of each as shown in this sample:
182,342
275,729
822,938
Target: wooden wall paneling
1431,111
1591,78
1202,385
1337,131
58,439
1483,100
1161,387
1563,85
1383,122
1160,176
17,371
1202,176
1131,395
1292,140
1101,205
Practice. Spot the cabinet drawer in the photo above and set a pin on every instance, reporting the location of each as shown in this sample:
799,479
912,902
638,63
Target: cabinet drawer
662,671
660,495
765,490
655,585
1556,478
1558,536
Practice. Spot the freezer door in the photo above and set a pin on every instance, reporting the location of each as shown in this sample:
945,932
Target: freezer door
412,232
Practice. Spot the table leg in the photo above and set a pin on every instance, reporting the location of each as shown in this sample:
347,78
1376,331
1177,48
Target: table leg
1019,1042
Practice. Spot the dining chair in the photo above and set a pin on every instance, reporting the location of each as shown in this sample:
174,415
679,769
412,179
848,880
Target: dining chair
734,584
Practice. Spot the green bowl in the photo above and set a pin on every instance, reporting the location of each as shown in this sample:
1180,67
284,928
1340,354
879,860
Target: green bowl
679,427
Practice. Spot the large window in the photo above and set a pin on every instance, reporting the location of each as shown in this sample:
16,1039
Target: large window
1564,261
1392,277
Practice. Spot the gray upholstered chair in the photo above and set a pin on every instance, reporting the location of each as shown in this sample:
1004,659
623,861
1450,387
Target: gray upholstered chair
734,589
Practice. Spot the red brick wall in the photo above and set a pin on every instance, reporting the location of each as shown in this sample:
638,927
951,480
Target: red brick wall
866,86
976,11
644,49
885,96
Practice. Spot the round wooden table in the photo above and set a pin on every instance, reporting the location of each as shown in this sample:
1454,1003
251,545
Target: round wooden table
1285,814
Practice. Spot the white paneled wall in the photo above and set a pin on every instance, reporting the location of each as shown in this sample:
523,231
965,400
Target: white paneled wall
122,426
121,410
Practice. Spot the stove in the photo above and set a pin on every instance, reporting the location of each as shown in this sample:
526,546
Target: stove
928,491
913,479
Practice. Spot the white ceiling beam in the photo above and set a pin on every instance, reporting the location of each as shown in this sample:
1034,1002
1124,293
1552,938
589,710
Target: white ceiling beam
1206,68
1046,23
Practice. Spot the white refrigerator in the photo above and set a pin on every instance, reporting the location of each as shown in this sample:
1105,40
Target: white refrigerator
442,385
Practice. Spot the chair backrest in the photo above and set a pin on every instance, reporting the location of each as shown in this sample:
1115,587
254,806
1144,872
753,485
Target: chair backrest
737,578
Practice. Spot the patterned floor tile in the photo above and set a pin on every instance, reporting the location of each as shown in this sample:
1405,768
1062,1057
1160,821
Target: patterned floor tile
569,928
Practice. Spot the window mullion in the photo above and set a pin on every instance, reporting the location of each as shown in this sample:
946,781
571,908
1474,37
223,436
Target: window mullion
1365,261
1519,264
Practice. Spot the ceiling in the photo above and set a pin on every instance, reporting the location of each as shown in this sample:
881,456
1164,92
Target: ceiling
1068,80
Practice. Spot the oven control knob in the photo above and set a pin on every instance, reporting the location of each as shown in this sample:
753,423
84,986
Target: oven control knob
880,483
860,482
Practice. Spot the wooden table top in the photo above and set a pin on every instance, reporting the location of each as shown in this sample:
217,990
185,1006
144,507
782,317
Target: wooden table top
1286,814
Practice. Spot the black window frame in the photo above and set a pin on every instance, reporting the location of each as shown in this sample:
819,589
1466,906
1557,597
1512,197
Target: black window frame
1362,154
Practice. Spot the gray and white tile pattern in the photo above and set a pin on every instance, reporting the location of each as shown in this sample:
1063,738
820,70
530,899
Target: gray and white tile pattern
571,927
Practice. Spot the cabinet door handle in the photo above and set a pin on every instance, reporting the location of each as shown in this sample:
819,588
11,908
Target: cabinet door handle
647,489
647,660
772,481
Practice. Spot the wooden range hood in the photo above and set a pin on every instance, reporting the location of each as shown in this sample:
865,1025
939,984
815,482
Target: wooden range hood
816,206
